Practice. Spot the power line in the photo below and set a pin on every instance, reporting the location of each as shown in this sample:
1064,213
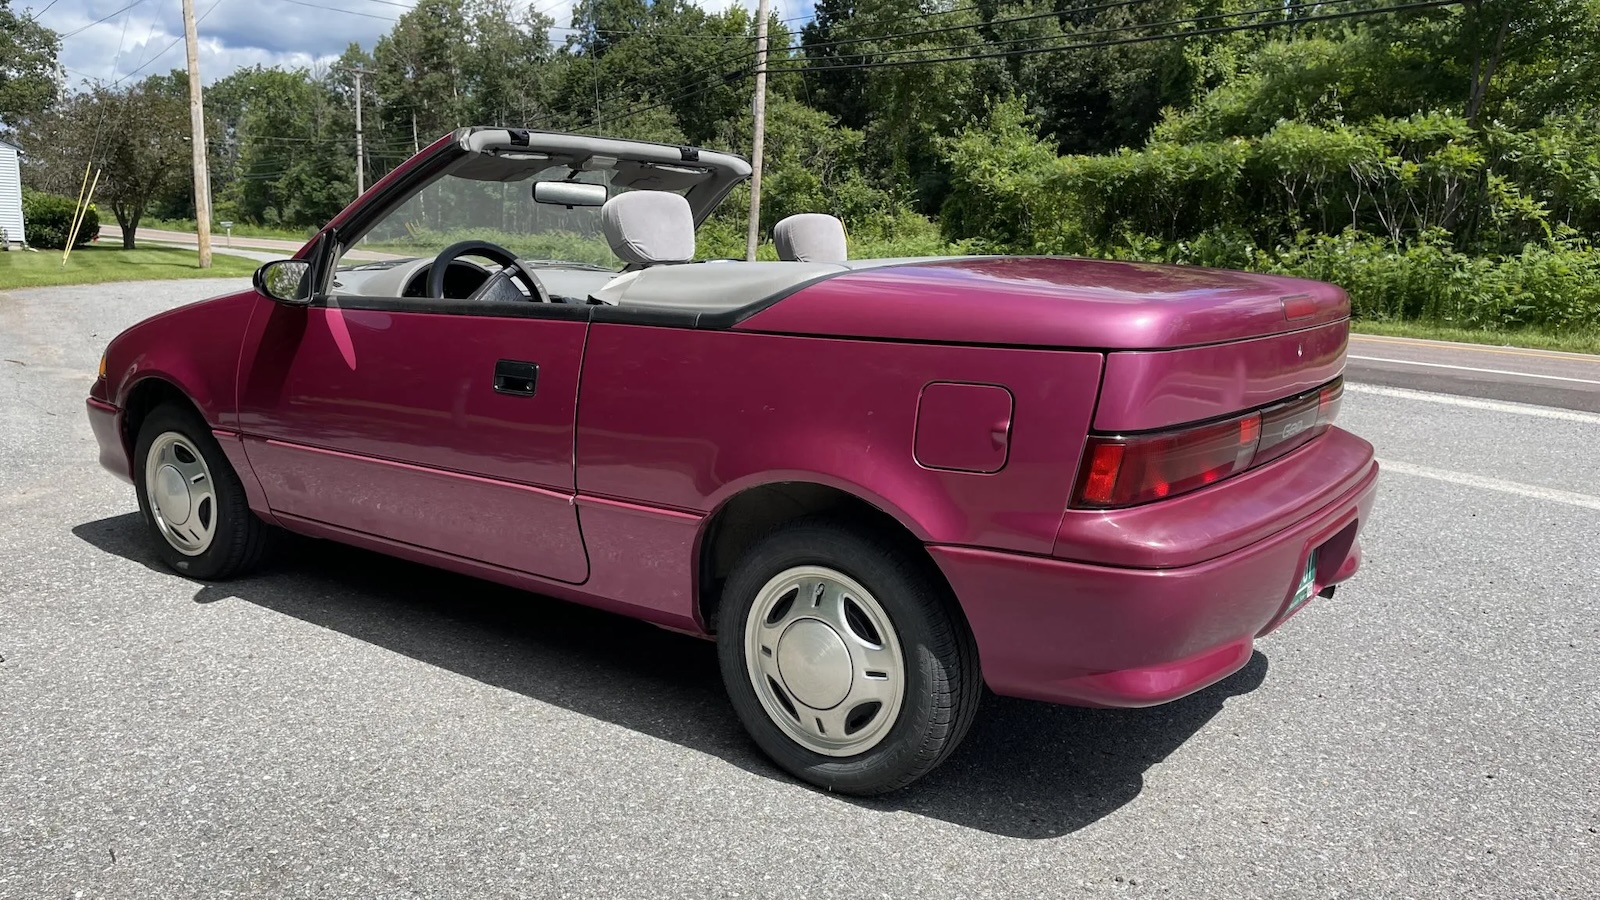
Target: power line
1053,14
646,32
34,16
99,21
1139,39
1192,20
348,12
1221,29
165,50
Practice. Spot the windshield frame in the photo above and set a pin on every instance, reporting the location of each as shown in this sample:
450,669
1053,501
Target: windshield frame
469,148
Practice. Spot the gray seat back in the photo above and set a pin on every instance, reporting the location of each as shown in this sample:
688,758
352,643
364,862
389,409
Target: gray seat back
647,228
810,237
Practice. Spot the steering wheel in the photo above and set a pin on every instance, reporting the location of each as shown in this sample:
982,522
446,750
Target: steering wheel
497,284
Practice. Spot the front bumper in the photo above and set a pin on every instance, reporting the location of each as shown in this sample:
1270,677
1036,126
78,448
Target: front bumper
1092,635
105,421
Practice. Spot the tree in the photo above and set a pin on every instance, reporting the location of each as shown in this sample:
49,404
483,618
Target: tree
138,136
296,137
422,70
28,68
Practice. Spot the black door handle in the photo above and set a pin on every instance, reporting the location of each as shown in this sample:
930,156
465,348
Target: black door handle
515,377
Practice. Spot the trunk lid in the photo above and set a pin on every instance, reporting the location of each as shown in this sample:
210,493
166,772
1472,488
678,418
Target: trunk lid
1053,302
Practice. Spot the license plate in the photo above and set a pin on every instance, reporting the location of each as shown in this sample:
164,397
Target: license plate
1308,581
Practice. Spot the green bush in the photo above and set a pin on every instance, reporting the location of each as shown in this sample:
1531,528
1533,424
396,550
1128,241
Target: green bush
1552,287
49,221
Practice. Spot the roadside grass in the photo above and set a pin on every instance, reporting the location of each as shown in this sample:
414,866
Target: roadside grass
1571,342
99,265
239,229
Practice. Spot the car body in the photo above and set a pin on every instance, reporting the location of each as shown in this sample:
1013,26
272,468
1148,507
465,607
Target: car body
631,454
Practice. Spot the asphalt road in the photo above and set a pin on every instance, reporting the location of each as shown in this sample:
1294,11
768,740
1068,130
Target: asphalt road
276,248
1568,380
345,725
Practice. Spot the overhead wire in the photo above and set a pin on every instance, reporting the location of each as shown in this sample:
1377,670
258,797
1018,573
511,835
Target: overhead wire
1141,39
34,16
102,20
168,48
1188,20
785,66
338,9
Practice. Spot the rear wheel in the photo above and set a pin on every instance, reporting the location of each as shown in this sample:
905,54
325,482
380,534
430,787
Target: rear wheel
192,499
845,658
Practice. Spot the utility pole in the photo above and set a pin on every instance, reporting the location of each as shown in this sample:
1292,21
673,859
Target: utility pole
197,128
361,153
760,130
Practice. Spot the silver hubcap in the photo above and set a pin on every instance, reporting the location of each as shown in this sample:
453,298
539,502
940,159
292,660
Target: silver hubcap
824,661
182,497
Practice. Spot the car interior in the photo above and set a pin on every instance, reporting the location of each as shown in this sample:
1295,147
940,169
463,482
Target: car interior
650,198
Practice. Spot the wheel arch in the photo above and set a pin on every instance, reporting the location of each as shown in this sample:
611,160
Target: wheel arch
142,398
747,515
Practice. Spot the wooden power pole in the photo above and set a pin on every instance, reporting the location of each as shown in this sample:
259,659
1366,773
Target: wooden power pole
760,116
197,127
361,153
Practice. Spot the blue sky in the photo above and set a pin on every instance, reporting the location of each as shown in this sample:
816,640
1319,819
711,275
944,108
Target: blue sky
147,37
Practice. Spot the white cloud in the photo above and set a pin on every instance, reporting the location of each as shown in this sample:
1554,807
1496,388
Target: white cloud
148,38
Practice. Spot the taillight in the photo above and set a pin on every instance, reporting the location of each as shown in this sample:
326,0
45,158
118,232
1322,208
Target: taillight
1328,400
1126,470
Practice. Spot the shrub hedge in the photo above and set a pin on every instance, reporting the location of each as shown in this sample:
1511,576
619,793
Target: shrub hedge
49,221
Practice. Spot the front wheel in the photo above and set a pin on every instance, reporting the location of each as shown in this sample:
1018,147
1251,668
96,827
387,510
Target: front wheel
191,498
846,658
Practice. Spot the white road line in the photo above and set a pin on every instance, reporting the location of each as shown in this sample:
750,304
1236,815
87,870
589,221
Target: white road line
1531,491
1520,409
1412,362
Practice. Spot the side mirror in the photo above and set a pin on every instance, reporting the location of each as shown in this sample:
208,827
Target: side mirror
570,193
286,281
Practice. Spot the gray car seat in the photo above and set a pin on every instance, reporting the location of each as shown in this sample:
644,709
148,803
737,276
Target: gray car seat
810,237
648,228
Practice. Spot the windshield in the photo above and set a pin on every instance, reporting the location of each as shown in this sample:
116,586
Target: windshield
455,208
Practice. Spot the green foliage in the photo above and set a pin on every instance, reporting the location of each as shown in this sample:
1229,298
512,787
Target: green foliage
49,221
1552,288
28,67
560,245
1443,164
136,137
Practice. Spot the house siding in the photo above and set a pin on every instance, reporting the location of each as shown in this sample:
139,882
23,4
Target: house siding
10,194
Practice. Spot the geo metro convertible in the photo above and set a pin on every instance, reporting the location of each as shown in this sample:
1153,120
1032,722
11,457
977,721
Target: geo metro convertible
878,485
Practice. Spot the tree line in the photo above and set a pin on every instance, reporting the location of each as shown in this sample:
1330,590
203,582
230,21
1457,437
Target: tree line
1440,158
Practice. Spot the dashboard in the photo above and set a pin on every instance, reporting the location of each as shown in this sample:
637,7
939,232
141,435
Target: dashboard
409,278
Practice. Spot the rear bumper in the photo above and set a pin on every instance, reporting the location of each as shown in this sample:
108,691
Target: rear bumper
1090,635
105,421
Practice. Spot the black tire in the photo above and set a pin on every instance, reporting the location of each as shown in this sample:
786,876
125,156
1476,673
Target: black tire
942,679
240,539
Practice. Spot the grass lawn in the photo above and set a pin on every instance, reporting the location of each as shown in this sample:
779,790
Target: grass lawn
97,265
1572,342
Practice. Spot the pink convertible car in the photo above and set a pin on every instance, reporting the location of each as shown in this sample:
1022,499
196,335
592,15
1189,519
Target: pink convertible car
879,485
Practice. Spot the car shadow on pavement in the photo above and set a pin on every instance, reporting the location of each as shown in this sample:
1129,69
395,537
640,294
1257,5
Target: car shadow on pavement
1027,770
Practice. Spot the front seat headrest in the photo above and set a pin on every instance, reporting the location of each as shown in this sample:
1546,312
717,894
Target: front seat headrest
810,237
649,227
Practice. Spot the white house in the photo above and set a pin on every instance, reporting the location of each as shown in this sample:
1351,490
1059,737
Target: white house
10,194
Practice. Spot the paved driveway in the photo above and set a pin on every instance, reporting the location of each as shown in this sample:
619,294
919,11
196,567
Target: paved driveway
346,725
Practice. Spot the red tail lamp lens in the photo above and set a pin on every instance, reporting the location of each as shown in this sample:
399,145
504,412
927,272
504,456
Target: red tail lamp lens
1100,484
1328,402
1131,470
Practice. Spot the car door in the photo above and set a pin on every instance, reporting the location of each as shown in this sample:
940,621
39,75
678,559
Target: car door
447,426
